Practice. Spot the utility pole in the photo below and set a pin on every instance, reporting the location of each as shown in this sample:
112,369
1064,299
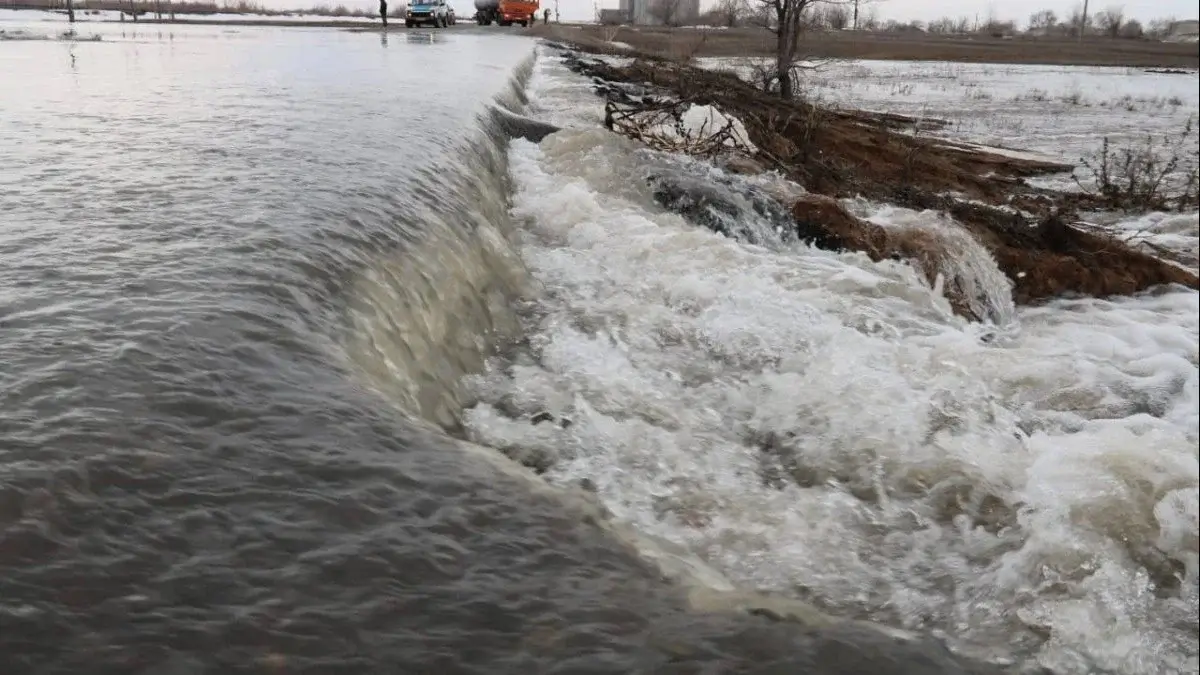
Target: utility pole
1083,20
855,14
70,11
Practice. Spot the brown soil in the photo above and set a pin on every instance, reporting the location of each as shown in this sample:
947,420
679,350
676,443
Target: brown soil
837,152
1047,260
846,153
1094,51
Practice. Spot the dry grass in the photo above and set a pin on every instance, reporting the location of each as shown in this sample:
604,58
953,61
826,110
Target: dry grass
735,42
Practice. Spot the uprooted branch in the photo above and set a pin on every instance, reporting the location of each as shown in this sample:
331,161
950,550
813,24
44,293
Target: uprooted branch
837,152
677,126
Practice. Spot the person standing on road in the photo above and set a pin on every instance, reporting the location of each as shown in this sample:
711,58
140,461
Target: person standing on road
546,16
383,12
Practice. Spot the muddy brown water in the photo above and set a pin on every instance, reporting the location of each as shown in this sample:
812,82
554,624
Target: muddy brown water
203,467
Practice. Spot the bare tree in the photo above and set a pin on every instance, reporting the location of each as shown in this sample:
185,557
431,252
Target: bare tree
941,26
1133,30
788,20
894,26
728,13
788,23
815,20
669,12
868,20
837,17
1074,23
997,28
1160,28
1043,20
1109,21
947,25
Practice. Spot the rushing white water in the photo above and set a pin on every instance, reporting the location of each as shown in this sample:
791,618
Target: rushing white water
819,425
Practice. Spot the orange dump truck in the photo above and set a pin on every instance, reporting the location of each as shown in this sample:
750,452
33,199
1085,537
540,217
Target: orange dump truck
506,12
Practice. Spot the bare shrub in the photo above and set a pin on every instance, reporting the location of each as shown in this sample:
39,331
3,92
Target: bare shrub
1162,174
837,17
1073,97
685,48
765,75
1110,21
727,13
1132,30
1043,20
1160,28
670,12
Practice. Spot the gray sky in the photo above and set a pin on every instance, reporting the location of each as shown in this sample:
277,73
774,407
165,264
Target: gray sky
924,10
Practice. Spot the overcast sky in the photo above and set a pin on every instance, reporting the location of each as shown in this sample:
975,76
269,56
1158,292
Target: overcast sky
924,10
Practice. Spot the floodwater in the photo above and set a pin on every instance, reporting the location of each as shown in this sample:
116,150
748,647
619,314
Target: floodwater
241,273
822,426
246,275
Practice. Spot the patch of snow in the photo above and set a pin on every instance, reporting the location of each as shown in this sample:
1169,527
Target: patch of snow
703,120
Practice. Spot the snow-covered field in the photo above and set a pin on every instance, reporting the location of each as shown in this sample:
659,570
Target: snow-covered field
12,16
1063,112
819,425
97,25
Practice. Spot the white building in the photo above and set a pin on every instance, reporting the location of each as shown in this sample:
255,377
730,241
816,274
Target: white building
658,12
1185,31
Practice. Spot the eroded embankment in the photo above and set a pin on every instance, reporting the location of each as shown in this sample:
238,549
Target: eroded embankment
838,154
425,317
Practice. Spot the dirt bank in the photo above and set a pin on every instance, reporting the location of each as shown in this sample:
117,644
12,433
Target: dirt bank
839,154
862,45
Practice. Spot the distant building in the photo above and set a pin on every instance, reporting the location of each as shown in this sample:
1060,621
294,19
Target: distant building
613,17
1184,31
659,12
627,10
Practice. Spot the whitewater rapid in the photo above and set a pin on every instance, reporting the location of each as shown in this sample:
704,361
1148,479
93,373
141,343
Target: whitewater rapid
821,426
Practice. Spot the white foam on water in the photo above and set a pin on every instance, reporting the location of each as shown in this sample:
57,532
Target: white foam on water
967,266
822,426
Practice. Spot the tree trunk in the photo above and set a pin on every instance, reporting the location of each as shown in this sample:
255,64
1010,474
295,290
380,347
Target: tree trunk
1083,20
787,87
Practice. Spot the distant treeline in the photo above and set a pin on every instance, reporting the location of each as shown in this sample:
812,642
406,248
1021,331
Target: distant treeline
181,7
